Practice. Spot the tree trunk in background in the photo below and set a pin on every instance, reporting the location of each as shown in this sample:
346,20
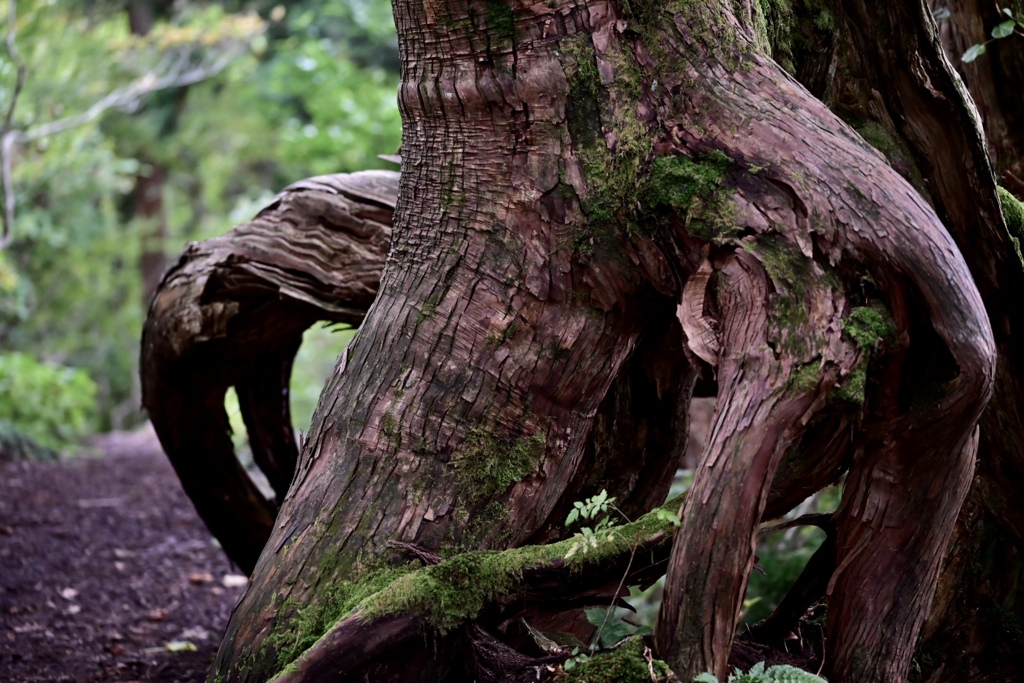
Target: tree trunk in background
148,206
577,177
147,197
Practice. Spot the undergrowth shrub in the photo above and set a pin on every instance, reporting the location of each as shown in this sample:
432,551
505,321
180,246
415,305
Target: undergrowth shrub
55,406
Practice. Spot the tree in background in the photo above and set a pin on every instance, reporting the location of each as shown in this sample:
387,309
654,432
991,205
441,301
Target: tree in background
127,139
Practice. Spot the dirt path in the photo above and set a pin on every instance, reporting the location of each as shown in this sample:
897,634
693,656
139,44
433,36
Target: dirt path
106,573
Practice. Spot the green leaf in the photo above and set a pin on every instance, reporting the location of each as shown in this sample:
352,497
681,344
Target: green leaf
941,14
973,53
669,516
1004,29
1008,12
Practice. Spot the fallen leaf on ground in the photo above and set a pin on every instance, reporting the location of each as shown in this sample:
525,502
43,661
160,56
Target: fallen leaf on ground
158,614
68,593
180,646
197,578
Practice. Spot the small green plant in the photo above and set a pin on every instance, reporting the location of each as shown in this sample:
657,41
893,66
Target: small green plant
592,508
780,673
53,405
1004,29
608,633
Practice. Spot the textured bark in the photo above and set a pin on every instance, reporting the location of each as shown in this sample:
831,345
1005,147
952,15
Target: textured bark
491,342
524,350
938,129
891,80
231,313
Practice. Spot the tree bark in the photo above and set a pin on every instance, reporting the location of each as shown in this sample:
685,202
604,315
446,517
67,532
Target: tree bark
509,310
581,181
231,312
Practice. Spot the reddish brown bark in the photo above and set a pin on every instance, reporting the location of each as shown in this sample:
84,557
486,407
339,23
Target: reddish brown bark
529,311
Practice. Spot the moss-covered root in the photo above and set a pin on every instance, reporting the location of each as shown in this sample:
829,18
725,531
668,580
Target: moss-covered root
631,662
393,608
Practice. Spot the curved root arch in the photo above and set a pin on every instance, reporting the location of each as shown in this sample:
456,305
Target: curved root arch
231,312
821,211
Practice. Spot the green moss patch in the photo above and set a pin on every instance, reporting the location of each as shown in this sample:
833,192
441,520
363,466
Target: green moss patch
456,590
488,463
870,327
1013,214
500,19
335,602
692,188
627,663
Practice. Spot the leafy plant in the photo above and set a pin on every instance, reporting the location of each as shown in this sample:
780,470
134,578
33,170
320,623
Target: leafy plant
611,632
1002,30
588,537
51,404
780,673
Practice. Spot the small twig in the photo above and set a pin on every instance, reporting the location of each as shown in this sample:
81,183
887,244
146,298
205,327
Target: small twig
618,590
649,658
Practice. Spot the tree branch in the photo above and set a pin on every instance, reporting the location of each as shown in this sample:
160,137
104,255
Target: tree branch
6,133
129,98
633,554
177,73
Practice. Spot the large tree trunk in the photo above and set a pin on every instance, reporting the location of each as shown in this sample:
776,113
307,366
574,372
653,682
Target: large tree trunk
598,203
567,167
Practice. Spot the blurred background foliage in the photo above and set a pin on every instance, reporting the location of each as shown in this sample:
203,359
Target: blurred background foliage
143,125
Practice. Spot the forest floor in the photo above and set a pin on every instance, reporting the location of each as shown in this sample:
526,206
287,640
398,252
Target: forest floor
106,572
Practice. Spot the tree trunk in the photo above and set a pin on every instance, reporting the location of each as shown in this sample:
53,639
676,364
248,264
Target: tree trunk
994,79
147,197
575,177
